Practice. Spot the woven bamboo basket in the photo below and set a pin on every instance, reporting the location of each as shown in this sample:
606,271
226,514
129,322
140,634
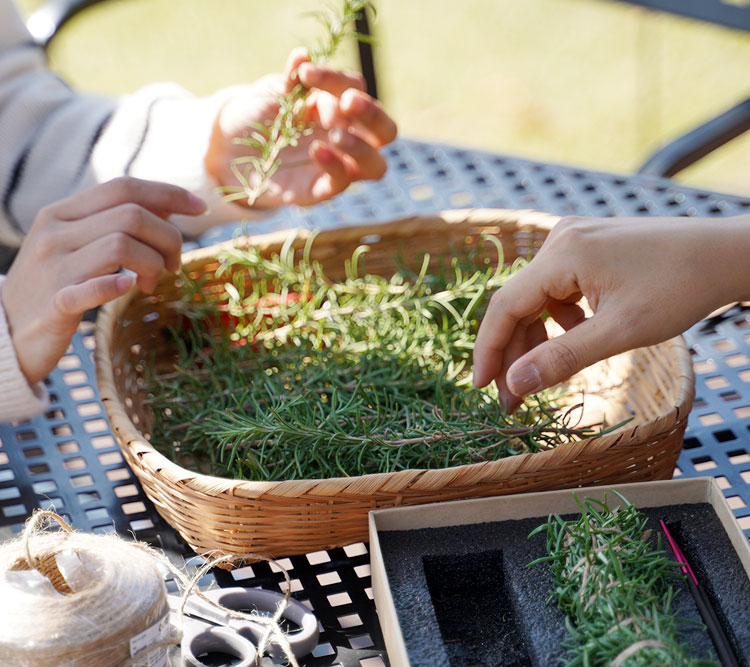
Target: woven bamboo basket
654,386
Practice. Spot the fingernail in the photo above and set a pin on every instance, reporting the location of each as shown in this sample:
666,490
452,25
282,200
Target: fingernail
124,282
353,101
524,380
336,135
196,203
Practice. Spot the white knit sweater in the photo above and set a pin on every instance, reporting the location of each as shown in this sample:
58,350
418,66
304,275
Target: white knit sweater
55,141
17,399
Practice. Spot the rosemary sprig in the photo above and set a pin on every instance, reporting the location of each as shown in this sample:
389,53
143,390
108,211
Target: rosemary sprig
615,588
288,374
268,140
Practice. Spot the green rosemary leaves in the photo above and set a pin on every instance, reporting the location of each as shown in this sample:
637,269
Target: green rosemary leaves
288,374
615,588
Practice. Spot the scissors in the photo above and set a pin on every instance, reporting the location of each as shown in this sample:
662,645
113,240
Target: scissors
208,629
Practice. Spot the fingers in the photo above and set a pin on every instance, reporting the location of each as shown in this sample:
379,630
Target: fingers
363,161
133,220
111,252
368,116
161,199
74,300
335,177
523,340
559,358
332,81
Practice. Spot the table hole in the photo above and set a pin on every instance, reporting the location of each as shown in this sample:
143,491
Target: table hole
743,412
730,396
97,513
52,504
6,475
724,345
704,463
318,557
3,458
25,436
102,441
421,192
281,564
294,586
44,487
134,507
328,578
375,661
707,366
68,447
723,482
88,497
126,490
745,476
118,474
141,524
691,443
57,413
32,452
738,456
461,199
339,599
361,641
744,376
88,409
322,650
699,403
11,511
744,522
82,393
710,419
368,593
716,382
358,549
677,472
95,425
349,621
82,480
362,571
725,436
75,377
9,493
106,529
68,362
736,503
62,429
39,469
735,360
76,463
110,458
242,573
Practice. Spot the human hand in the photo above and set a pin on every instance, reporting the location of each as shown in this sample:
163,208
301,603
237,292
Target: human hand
67,263
645,279
348,128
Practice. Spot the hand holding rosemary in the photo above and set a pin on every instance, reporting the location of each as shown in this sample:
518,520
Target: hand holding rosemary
288,374
305,136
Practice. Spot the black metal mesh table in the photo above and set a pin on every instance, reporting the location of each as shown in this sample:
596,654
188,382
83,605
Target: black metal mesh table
68,458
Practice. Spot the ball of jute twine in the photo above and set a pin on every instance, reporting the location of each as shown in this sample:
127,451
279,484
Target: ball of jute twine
90,624
118,593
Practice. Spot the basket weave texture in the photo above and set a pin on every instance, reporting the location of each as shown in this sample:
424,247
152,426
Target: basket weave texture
654,386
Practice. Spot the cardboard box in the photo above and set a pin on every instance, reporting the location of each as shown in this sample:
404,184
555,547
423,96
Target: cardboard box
484,514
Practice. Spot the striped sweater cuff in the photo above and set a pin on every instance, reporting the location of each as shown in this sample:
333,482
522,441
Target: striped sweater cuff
18,400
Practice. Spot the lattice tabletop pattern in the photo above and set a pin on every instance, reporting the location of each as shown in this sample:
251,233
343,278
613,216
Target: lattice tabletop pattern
68,458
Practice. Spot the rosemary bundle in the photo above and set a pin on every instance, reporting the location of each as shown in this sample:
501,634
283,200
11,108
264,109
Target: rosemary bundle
287,374
267,140
615,588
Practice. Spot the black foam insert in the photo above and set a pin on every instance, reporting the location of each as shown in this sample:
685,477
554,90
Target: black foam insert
464,596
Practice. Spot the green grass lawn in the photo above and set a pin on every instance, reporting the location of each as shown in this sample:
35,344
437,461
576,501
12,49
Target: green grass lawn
596,83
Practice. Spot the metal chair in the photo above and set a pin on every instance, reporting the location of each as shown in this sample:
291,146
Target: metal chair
47,20
702,140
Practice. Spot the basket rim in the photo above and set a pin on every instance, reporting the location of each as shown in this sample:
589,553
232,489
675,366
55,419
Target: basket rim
137,447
